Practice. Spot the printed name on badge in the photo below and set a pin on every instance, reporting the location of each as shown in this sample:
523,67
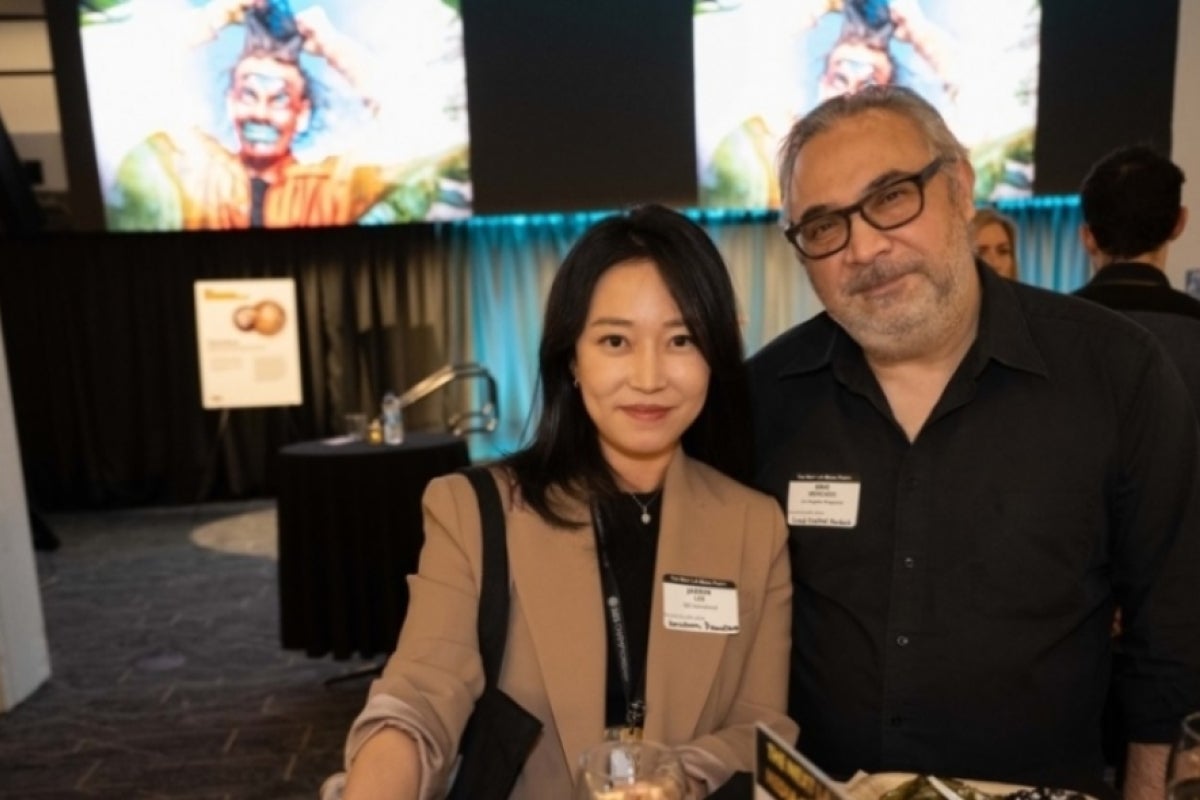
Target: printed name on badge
703,605
823,501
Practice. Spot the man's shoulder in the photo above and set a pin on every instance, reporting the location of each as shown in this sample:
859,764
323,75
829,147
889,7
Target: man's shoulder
1134,286
1077,337
1054,313
1185,303
1167,299
804,340
1179,333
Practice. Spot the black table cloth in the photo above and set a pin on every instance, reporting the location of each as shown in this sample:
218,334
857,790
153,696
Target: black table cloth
349,518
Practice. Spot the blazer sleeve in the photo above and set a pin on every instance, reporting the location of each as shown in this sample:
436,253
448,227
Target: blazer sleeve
431,682
762,690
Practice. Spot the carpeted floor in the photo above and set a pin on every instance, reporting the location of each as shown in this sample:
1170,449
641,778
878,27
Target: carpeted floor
168,678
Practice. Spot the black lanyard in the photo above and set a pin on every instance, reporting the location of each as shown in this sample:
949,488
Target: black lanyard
635,690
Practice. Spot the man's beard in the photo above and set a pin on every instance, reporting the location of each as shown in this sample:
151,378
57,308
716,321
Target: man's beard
918,320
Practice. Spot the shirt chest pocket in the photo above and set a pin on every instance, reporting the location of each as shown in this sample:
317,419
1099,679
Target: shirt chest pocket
1033,552
837,563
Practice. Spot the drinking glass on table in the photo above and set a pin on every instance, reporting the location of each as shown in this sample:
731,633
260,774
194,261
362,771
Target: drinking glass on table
630,770
1183,768
356,426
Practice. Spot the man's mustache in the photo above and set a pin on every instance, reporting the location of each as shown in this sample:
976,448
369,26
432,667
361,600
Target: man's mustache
876,275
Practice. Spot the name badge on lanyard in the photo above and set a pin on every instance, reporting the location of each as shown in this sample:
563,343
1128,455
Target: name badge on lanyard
823,501
704,605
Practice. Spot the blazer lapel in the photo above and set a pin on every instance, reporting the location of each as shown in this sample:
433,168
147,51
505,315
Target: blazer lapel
555,573
699,537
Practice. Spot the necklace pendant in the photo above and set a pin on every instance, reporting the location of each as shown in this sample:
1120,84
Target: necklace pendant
645,507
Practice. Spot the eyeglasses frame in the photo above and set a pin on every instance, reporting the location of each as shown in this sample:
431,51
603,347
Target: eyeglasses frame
921,177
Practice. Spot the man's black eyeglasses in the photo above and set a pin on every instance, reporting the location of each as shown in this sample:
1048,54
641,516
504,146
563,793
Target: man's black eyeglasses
895,203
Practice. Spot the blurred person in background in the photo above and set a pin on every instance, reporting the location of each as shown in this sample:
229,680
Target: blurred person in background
994,239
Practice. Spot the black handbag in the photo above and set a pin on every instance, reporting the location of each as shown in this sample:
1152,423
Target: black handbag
500,733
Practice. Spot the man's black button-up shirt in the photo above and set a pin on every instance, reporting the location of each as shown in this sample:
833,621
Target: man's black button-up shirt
955,617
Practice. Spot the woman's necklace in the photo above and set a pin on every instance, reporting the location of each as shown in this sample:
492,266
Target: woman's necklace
645,507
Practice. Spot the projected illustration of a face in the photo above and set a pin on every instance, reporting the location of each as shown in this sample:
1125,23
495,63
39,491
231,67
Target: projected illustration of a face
852,65
269,107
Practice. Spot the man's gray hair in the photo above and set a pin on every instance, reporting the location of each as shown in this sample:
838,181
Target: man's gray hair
896,99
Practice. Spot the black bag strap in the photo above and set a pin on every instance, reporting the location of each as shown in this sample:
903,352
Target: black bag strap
492,623
500,734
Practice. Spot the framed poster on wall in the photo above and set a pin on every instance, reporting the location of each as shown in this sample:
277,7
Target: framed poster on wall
249,343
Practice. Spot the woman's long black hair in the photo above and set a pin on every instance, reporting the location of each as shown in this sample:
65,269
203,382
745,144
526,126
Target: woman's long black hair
565,449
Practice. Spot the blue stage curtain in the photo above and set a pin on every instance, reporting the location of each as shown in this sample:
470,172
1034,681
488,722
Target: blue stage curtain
500,270
1049,251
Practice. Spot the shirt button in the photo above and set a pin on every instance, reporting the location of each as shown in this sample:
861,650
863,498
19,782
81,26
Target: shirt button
909,562
902,640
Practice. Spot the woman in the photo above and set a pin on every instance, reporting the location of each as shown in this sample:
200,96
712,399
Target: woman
994,238
642,394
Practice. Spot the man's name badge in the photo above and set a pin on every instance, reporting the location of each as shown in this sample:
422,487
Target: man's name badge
703,605
823,501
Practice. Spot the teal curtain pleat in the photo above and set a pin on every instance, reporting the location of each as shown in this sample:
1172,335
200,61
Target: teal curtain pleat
504,267
1049,251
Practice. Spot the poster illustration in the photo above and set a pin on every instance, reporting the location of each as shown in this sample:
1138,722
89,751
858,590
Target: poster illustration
222,114
761,64
248,338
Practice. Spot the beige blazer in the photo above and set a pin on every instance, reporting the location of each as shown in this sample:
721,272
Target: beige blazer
704,692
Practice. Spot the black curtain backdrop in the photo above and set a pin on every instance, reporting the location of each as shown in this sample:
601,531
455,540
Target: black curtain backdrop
101,341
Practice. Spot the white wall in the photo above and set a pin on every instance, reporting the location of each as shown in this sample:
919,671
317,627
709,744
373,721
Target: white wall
24,655
30,112
1185,139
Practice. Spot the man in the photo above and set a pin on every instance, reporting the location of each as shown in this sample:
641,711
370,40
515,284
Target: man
1132,211
190,181
976,473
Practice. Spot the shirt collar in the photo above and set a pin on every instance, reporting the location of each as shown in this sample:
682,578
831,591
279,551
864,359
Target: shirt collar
1126,272
1003,336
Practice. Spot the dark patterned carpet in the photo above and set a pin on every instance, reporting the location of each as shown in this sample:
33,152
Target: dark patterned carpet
168,678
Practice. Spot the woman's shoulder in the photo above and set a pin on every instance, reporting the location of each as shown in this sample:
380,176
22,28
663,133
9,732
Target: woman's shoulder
456,489
756,514
725,488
